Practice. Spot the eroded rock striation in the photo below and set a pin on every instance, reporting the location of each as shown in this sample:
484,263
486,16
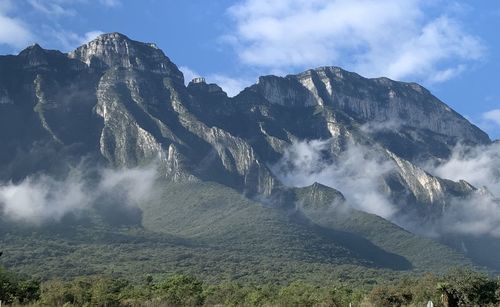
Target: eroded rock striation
124,103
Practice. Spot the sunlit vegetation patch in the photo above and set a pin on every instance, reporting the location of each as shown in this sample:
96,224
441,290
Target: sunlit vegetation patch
456,288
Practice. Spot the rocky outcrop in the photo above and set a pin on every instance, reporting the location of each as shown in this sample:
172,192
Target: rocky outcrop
125,102
318,197
117,50
405,117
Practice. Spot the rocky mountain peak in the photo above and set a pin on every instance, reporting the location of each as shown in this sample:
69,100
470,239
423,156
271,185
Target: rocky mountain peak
34,55
115,50
33,49
199,86
284,91
369,100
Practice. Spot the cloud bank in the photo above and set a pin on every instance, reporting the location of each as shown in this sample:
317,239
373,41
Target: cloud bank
393,38
40,199
356,172
480,166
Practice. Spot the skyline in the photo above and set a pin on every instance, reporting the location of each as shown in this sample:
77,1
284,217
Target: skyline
449,47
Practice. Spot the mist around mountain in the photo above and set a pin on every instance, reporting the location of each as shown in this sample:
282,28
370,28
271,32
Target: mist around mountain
111,164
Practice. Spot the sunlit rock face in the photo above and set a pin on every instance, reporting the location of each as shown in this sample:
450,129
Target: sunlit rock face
124,103
117,50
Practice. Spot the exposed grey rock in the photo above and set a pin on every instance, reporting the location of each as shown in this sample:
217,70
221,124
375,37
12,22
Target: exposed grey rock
124,102
117,50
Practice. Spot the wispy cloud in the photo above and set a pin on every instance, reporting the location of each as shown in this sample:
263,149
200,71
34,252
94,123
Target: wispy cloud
111,3
488,121
17,30
232,86
53,8
13,31
68,40
385,37
356,172
492,116
189,74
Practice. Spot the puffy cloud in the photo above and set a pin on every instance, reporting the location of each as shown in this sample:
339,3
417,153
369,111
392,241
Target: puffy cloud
384,37
479,166
356,172
480,213
38,199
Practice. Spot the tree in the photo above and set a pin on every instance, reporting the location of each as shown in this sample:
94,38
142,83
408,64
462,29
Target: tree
468,288
14,288
181,290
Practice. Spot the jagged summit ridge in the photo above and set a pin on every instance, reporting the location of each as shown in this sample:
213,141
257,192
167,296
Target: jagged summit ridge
117,50
125,103
377,100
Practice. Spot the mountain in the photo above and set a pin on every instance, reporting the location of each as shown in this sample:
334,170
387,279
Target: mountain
229,187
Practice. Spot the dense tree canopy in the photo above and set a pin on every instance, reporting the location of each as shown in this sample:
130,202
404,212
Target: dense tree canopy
457,288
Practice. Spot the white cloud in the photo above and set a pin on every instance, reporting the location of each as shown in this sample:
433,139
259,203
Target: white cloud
383,37
53,8
477,215
480,166
111,3
17,31
87,37
232,86
13,31
188,73
493,116
60,8
356,172
68,40
37,200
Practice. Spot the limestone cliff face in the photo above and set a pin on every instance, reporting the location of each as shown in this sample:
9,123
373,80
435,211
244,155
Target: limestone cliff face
405,117
146,116
124,102
379,100
117,50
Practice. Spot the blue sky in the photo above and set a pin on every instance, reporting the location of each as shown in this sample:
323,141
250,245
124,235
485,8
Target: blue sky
451,47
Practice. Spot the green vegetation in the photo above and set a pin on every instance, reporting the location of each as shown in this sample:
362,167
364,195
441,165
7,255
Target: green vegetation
456,288
213,232
14,288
